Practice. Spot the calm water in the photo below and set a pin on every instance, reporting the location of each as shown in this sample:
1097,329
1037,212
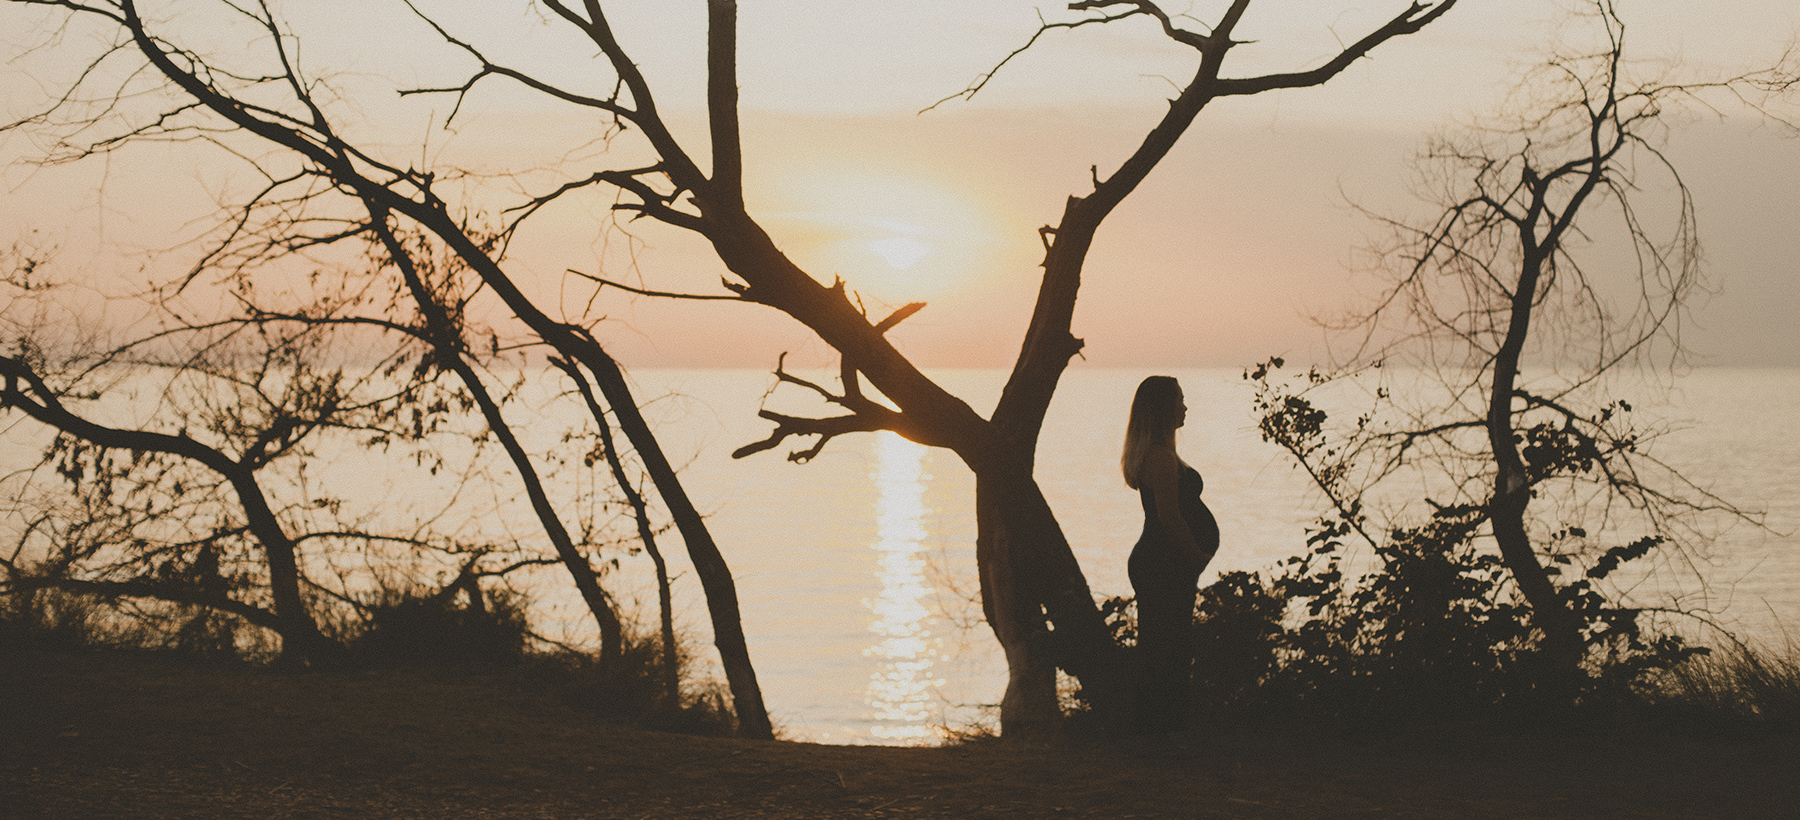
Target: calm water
857,570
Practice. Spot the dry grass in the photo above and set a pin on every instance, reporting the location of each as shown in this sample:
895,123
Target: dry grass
1739,692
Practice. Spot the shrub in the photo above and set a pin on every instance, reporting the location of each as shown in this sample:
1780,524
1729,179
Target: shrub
411,628
51,618
1433,636
630,690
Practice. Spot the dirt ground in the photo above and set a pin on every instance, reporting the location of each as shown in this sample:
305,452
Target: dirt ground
102,736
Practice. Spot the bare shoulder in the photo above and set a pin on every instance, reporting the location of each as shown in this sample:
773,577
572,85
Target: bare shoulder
1161,461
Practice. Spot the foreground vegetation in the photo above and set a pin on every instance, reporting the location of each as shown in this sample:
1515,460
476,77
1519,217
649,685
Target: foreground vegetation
116,733
440,711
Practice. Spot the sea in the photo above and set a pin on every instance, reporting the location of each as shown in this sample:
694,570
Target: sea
856,569
857,574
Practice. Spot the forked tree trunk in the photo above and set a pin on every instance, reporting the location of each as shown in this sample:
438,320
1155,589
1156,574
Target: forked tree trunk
1038,603
1029,705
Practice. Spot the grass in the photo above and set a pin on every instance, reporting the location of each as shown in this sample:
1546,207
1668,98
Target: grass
112,733
95,730
1737,693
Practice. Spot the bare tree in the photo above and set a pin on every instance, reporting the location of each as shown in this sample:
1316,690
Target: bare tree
81,454
1029,576
251,381
1563,256
303,207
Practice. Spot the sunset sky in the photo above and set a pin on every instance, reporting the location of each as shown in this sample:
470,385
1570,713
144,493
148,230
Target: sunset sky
1220,259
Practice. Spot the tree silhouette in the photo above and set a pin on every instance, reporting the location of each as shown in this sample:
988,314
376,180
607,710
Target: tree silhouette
246,399
1029,577
1510,324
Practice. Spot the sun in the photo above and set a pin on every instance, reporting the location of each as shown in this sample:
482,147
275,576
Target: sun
900,252
887,234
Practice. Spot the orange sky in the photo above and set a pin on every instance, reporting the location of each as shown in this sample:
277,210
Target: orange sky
1240,235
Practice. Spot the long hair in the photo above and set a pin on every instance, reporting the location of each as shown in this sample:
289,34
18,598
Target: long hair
1153,412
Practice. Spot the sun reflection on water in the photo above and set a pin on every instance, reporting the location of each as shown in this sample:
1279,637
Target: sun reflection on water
902,689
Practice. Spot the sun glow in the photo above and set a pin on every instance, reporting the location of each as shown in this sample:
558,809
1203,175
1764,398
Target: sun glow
888,235
900,252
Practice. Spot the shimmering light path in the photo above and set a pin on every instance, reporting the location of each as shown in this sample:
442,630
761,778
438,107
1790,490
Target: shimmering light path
903,686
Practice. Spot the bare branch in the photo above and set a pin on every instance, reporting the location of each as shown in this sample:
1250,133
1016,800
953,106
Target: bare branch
981,82
1415,17
488,69
826,429
898,316
719,297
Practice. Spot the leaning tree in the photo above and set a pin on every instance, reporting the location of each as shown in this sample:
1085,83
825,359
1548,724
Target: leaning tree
1029,577
171,81
209,501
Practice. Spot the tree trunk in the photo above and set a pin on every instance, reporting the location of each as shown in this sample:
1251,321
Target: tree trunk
574,344
300,635
709,563
446,339
1028,575
1512,486
640,512
1029,706
587,581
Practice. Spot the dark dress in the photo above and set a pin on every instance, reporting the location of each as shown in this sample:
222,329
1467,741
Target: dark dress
1165,578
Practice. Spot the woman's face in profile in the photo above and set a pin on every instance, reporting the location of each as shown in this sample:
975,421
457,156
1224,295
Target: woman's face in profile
1180,408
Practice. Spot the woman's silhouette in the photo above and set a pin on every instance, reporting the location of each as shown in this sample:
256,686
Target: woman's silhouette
1180,537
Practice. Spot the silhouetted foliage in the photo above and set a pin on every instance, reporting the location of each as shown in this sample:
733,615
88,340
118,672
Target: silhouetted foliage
52,619
421,628
1429,637
1487,460
1438,610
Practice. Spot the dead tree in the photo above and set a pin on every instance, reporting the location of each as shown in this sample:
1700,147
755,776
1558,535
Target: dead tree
303,207
1029,576
1027,570
26,391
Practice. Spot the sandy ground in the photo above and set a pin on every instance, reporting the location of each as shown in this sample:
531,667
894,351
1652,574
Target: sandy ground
85,736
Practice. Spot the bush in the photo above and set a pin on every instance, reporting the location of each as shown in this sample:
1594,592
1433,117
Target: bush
55,619
411,628
630,690
52,619
1433,636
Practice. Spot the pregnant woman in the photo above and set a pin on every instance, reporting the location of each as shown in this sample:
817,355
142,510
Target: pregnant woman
1180,537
